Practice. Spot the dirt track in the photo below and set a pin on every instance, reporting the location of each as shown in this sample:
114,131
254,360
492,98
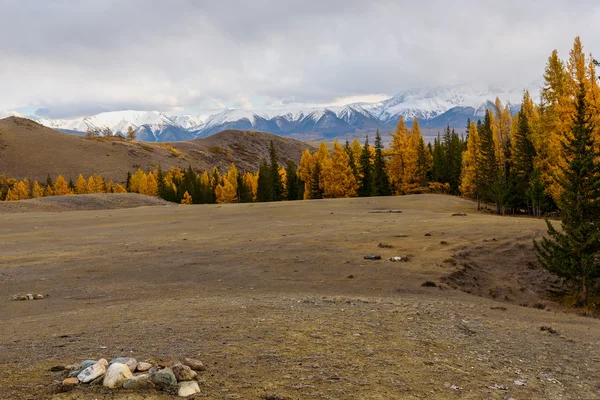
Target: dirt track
261,293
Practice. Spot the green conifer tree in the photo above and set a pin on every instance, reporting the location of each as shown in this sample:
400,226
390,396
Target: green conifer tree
573,253
381,180
276,185
264,192
365,187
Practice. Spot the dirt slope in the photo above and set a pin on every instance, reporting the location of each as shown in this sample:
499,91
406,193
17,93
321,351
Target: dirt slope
272,311
28,149
85,202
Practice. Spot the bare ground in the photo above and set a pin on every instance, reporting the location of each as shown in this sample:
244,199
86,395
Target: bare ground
261,293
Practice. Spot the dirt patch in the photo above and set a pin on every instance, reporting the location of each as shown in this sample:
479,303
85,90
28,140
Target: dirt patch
86,202
505,270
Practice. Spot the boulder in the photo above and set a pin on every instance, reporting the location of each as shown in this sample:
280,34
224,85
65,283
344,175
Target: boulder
194,364
143,366
183,373
163,379
93,371
130,362
70,382
78,367
188,388
140,382
116,375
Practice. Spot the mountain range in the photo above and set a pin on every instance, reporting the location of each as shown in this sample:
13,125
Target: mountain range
435,108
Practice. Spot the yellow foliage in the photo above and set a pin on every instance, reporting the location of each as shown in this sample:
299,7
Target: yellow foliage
251,181
187,199
37,190
342,182
225,193
61,187
138,182
305,167
151,185
402,167
81,185
118,188
469,178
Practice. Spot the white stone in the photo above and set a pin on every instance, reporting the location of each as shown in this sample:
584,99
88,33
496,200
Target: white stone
92,372
188,388
143,366
116,374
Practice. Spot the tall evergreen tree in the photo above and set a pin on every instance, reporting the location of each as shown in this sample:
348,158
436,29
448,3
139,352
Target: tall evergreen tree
291,183
264,192
316,189
523,157
487,164
365,184
276,185
351,161
160,182
573,252
381,181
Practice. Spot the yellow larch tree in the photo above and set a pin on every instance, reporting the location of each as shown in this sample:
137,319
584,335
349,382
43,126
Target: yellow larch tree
151,185
232,176
118,188
81,185
187,199
138,182
305,167
342,182
251,182
323,157
470,157
225,192
61,187
403,157
37,190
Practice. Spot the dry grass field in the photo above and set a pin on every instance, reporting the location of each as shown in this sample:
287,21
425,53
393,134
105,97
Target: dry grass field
279,303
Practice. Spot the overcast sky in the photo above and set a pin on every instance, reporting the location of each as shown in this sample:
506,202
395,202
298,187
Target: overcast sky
63,58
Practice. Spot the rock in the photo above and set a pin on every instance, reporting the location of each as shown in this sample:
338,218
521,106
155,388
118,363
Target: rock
93,371
143,366
164,378
77,368
116,374
98,381
372,257
194,364
520,383
188,388
350,277
398,258
427,234
130,362
459,214
140,382
70,382
183,372
17,297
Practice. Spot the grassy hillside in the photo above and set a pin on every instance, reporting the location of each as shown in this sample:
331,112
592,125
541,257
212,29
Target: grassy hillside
30,150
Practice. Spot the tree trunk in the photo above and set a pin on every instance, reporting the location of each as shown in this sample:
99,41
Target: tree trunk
478,203
584,293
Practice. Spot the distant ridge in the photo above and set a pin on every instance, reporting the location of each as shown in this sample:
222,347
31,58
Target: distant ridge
30,150
434,107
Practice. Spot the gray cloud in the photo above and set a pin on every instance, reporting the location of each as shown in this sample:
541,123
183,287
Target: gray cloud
69,58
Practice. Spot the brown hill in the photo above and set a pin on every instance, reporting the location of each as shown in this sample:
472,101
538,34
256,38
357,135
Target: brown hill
30,150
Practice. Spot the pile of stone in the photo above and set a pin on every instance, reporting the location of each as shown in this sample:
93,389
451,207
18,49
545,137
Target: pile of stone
28,296
128,373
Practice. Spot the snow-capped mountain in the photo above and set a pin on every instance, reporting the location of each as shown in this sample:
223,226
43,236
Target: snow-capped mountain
434,107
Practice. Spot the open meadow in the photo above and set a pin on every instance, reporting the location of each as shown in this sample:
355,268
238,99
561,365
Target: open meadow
278,302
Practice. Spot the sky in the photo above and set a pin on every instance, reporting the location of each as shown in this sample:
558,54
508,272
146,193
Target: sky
63,58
